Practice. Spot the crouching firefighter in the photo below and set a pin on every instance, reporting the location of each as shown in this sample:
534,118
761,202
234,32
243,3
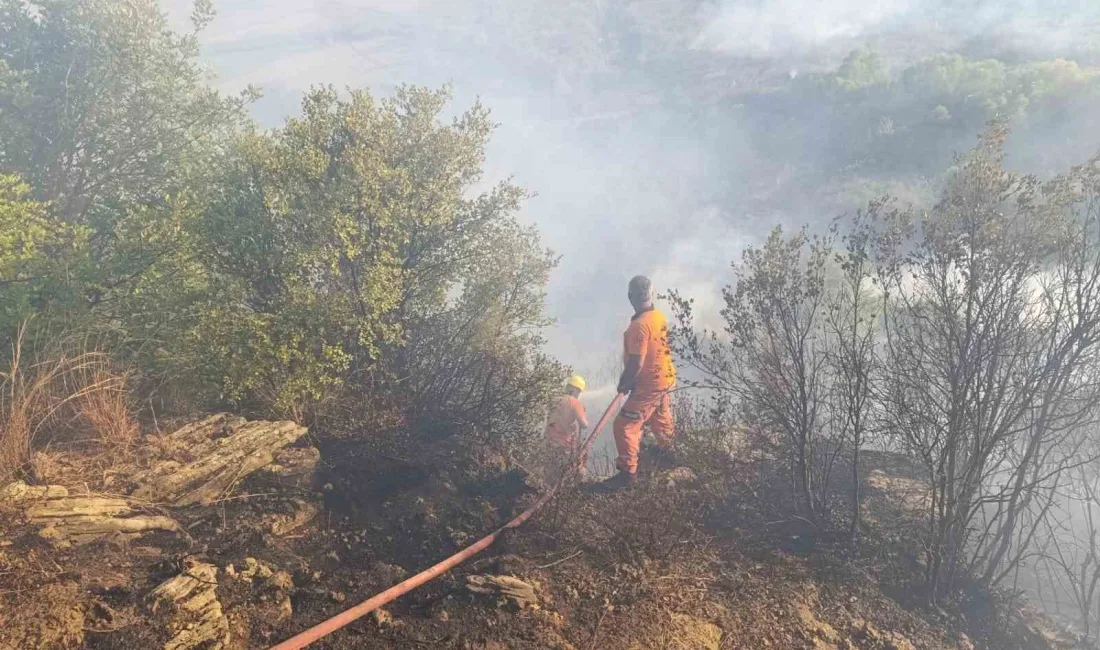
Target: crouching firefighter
648,378
566,422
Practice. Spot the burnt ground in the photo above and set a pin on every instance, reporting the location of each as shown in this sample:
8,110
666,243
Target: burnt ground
678,562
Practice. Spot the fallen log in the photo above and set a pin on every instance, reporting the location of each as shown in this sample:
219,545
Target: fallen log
66,519
206,458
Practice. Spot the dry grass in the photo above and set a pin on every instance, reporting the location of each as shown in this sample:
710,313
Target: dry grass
106,408
53,391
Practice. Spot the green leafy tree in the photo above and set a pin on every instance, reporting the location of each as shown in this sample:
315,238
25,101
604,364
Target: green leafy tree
106,115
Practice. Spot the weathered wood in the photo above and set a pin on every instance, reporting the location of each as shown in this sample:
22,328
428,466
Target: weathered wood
66,519
91,530
93,506
206,458
199,621
19,492
512,590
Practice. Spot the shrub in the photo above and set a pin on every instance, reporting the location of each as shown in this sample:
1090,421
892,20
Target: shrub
344,258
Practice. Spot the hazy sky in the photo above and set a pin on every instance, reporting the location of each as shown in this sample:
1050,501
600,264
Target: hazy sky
620,114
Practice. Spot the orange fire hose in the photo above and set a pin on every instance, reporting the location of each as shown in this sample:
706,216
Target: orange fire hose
362,609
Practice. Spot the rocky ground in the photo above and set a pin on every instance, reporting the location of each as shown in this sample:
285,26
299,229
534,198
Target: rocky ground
228,535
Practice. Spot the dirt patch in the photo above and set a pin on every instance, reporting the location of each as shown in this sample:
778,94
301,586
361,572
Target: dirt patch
50,618
685,632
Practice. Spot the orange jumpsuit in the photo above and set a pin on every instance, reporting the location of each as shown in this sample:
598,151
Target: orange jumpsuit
563,427
649,403
566,419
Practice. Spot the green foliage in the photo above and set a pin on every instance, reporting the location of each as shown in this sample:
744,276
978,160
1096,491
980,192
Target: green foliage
848,128
202,14
27,238
24,230
335,239
105,113
861,68
1044,78
955,79
944,81
341,260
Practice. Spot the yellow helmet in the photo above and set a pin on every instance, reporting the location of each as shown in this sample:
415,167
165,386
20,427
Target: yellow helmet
576,381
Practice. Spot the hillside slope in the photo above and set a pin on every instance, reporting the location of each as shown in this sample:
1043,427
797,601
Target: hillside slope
675,563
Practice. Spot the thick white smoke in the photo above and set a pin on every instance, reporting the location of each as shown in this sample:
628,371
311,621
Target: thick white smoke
622,115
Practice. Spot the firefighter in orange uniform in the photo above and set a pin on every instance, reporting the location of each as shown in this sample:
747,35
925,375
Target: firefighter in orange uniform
566,422
648,378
